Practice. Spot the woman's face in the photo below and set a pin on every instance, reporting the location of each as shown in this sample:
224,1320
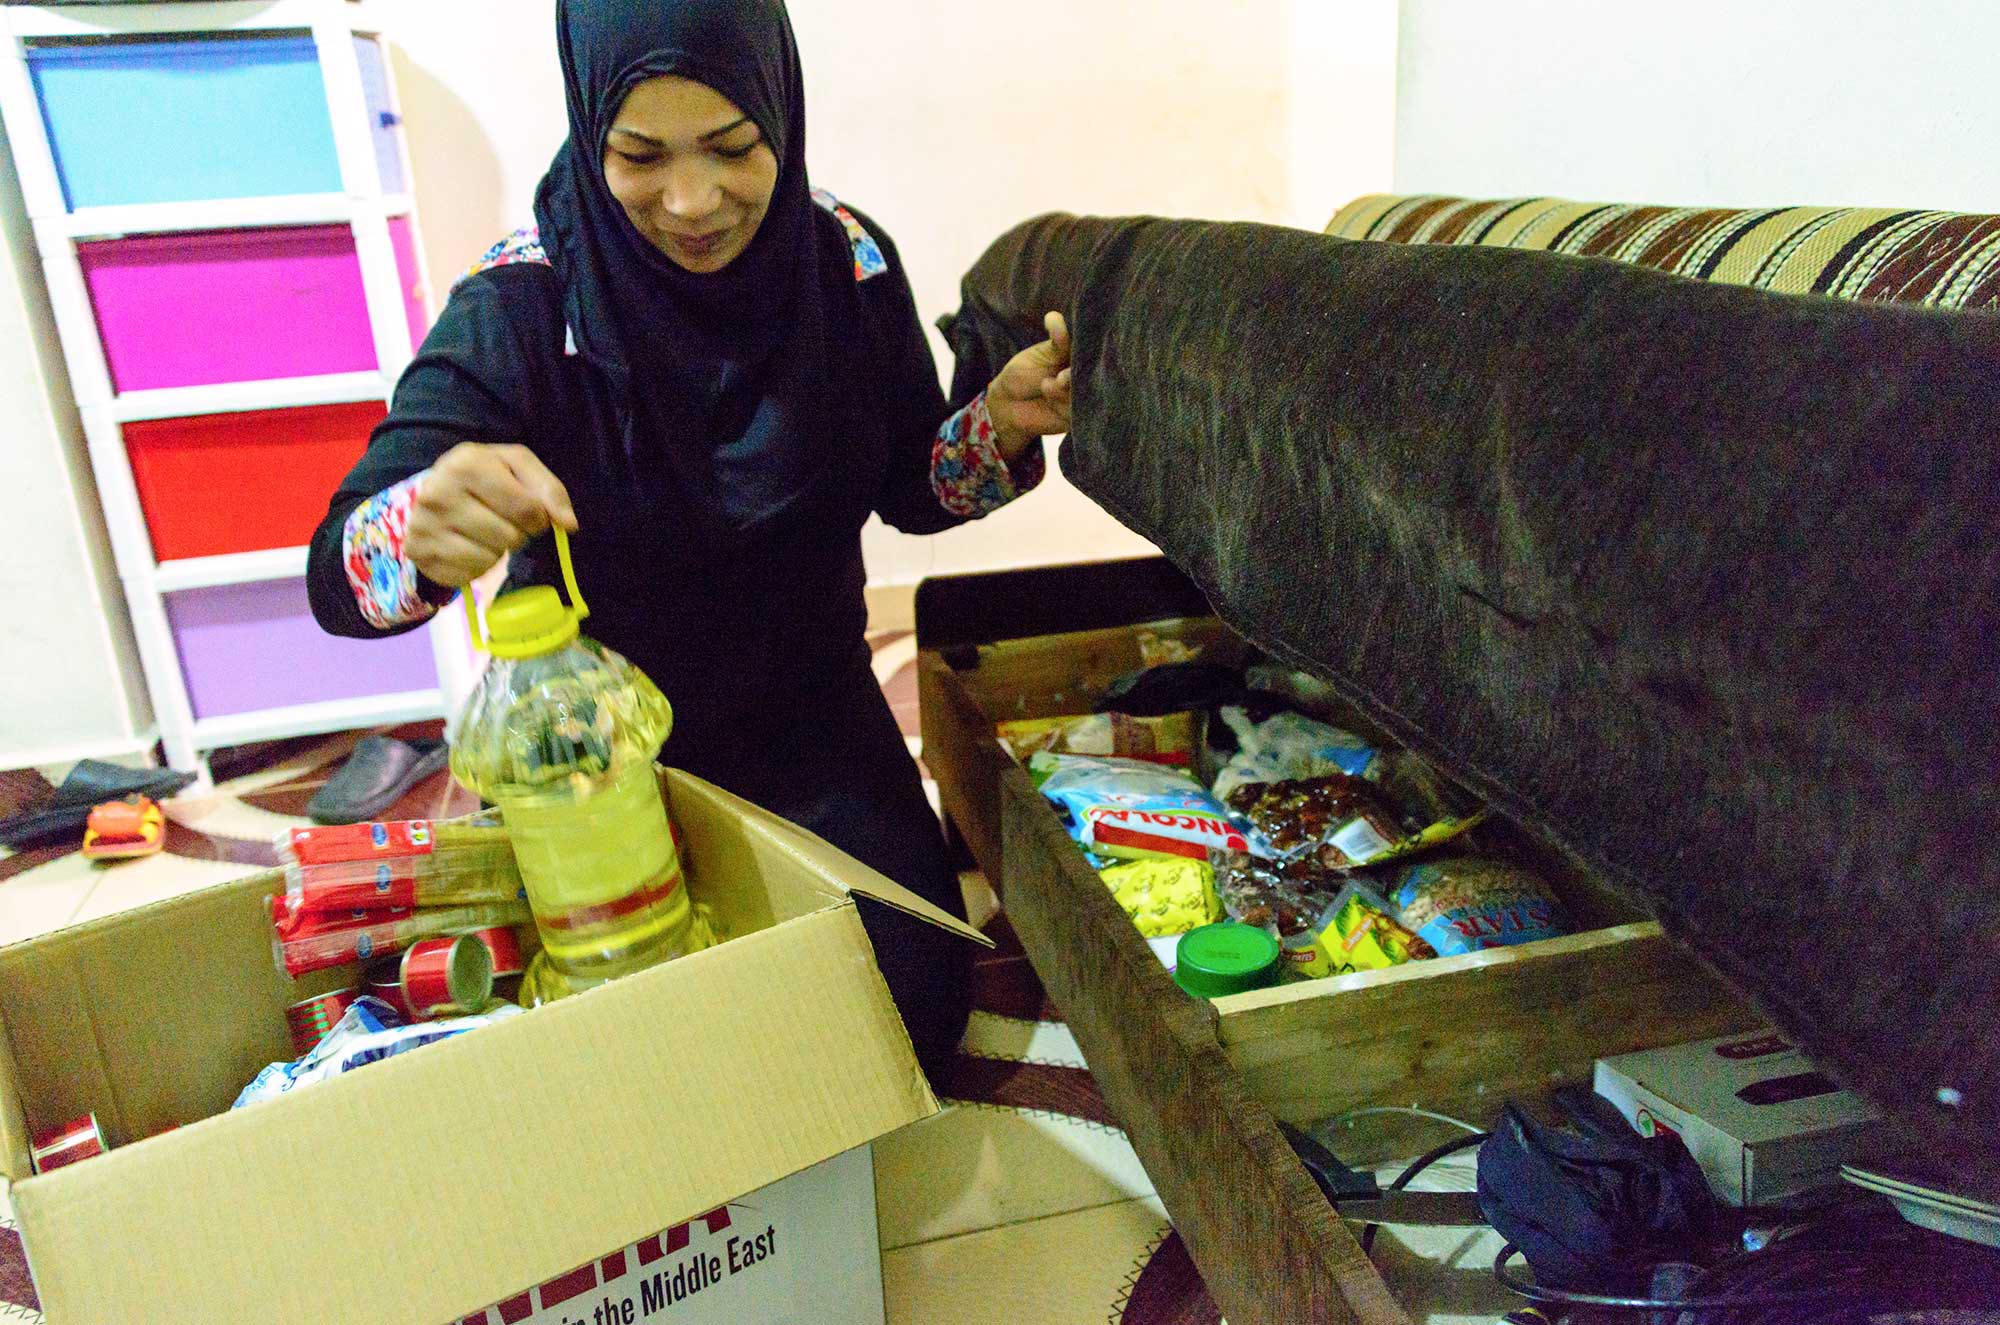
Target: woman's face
692,172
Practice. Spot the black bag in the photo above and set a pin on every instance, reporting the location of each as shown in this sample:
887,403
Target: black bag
1593,1209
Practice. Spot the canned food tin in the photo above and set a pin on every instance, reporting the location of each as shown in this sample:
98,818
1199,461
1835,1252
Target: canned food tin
67,1144
384,980
505,946
310,1019
447,976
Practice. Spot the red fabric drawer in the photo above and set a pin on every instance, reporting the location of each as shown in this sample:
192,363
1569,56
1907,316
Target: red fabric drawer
219,483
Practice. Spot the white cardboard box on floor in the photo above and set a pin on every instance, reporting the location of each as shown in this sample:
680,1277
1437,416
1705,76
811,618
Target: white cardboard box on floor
803,1249
434,1187
1761,1121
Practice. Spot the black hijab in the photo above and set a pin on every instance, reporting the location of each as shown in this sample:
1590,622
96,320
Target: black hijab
723,375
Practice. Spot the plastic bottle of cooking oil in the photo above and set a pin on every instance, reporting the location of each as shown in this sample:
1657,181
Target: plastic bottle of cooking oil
561,733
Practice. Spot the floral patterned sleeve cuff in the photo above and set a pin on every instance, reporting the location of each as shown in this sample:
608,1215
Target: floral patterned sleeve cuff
967,471
383,579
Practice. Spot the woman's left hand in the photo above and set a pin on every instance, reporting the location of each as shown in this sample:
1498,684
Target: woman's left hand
1030,398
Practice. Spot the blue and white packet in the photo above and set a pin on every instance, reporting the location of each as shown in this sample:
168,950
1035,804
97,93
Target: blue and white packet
1130,809
367,1032
1466,904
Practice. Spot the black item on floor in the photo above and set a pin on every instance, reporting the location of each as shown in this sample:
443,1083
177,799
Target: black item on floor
61,818
379,773
1856,1265
1873,1268
1593,1208
1358,1196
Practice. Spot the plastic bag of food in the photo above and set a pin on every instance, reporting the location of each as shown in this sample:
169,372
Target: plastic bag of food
1347,814
367,1032
1285,900
1130,810
1284,747
1346,822
1465,903
400,863
1166,895
1359,932
1325,923
1167,739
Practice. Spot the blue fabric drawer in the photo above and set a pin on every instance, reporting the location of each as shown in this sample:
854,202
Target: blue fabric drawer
180,121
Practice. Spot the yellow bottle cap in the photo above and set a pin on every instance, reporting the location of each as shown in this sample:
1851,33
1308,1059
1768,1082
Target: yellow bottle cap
529,622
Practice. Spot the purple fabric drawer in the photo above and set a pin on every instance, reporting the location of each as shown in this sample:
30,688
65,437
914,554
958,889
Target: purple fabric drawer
247,647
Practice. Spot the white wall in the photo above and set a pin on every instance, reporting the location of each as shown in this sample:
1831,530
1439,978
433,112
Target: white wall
1735,102
73,686
951,120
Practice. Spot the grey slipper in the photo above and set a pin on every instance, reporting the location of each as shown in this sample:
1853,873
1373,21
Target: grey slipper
375,777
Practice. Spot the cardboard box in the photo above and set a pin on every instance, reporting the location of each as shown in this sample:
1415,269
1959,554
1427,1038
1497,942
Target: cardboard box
433,1185
803,1249
1753,1111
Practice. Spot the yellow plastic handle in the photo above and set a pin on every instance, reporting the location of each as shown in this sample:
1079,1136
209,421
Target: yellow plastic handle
569,576
472,620
577,604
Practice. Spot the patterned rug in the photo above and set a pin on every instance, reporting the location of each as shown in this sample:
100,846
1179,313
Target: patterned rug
1021,1201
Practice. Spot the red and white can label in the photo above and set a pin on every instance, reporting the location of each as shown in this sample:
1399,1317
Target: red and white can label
67,1144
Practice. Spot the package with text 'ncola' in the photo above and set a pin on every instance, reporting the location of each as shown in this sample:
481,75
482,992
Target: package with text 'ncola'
1128,809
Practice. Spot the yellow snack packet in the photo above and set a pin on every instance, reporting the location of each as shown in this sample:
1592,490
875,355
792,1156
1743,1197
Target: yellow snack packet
1167,739
1356,933
1165,895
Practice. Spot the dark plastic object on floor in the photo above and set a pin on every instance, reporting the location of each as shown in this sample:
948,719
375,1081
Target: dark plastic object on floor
377,775
1594,1208
91,783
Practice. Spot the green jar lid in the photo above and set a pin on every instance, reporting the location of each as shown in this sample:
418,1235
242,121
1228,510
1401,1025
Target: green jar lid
1225,958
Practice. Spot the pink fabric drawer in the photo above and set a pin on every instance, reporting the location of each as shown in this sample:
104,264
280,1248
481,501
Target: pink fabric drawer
249,647
204,307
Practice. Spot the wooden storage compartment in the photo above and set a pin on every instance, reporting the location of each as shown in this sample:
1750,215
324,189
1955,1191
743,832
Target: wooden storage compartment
1200,1085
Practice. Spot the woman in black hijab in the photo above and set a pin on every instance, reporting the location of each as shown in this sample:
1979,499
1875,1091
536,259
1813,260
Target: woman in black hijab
712,375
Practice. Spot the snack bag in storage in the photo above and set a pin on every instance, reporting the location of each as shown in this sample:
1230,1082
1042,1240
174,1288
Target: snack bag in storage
1285,900
1346,822
1166,895
1359,932
1131,810
1464,904
1337,810
1284,747
1168,739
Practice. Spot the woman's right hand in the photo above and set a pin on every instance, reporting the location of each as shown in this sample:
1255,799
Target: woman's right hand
478,503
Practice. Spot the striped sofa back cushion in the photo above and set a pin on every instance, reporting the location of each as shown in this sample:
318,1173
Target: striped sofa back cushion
1944,259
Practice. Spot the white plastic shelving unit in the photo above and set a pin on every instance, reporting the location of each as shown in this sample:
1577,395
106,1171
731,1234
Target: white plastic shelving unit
362,205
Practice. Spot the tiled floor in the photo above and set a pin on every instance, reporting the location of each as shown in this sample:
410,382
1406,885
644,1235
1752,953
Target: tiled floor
1021,1202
